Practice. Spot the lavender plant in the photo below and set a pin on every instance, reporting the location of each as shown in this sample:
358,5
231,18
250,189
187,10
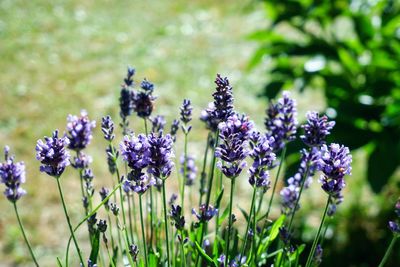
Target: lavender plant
120,237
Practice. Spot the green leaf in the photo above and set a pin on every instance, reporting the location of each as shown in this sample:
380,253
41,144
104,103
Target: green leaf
59,262
95,247
245,215
382,162
204,255
297,252
152,259
223,216
219,198
275,228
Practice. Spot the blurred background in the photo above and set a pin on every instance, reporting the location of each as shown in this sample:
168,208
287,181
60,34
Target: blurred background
337,57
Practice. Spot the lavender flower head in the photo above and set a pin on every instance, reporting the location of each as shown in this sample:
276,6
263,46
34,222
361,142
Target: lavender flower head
281,121
310,160
79,131
191,169
223,99
126,95
158,123
316,129
107,127
208,118
335,163
81,161
186,115
289,196
234,134
143,100
177,217
174,129
263,159
52,154
12,175
205,214
394,226
160,159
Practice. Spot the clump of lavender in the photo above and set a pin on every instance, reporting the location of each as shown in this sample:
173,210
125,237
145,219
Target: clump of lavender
143,100
174,129
107,127
158,123
263,159
79,131
281,121
335,163
191,169
12,175
316,129
52,154
205,214
186,115
126,95
234,134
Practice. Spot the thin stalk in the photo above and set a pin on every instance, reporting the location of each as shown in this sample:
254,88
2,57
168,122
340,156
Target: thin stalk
122,199
110,259
314,245
165,219
21,227
184,172
182,251
151,195
276,180
203,170
248,223
110,228
134,217
143,235
303,182
78,250
218,212
388,251
228,236
129,196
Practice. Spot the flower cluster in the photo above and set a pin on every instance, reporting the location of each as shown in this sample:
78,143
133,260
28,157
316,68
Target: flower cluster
281,121
160,148
126,95
263,159
107,127
223,99
234,134
174,129
52,154
335,163
395,226
186,115
208,118
191,169
157,124
79,131
205,213
12,175
143,100
81,161
177,217
316,129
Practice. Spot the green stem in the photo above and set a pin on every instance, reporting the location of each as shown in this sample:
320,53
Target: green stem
152,224
130,216
388,251
248,223
228,236
314,245
110,228
203,170
142,225
21,227
165,219
182,251
68,221
276,180
184,173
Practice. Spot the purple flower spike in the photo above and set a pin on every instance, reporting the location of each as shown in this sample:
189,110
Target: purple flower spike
177,217
335,163
394,227
52,154
191,169
263,159
207,116
12,175
126,95
233,148
143,101
223,99
174,129
316,129
158,123
281,121
205,214
135,151
81,161
186,115
107,127
289,195
79,131
161,154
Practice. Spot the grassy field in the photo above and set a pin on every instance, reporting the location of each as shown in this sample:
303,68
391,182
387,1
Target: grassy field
62,57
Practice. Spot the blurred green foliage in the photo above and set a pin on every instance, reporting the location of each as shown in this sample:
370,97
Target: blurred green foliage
351,50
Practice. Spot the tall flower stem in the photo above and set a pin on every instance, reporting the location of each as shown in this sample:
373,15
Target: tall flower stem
78,250
182,251
165,219
388,251
248,223
142,226
184,172
314,245
276,180
203,170
21,227
228,236
151,194
121,196
128,196
303,182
